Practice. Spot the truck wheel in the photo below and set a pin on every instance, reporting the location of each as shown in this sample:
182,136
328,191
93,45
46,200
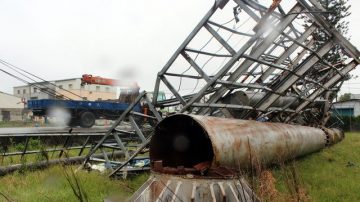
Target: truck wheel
87,119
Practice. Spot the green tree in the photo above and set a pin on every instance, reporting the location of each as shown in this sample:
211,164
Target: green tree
345,97
338,11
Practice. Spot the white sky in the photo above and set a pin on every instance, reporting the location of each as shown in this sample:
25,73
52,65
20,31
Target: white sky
117,39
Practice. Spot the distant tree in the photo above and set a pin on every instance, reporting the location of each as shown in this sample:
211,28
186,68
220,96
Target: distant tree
345,97
338,11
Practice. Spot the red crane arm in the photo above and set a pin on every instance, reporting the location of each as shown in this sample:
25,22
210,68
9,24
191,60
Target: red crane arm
90,79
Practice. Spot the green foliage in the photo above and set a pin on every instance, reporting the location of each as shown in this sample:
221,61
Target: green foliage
345,97
51,185
34,144
338,11
9,124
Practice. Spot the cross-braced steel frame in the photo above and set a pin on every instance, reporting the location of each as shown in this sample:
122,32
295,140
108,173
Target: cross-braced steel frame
263,64
141,124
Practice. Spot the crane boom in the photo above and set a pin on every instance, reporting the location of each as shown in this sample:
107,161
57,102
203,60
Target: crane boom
90,79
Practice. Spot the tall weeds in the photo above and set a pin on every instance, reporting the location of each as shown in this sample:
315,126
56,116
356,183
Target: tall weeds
75,184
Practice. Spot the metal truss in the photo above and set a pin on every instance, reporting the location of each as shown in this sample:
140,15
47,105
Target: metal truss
40,148
267,65
116,140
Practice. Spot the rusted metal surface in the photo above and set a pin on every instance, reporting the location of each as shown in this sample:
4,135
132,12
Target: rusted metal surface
191,141
202,170
162,187
333,135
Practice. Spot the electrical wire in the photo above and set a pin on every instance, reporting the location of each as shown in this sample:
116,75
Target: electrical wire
13,67
35,83
22,80
180,82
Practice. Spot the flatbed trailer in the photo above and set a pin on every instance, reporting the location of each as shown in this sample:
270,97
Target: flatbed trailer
82,113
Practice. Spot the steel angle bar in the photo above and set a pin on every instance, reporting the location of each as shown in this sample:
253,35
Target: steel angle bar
145,141
276,66
229,29
235,58
190,37
145,144
207,53
22,153
245,7
217,4
184,76
51,135
333,80
65,145
244,85
173,90
290,79
35,165
120,144
175,101
267,53
25,148
288,52
152,108
136,128
262,9
349,48
279,109
301,45
312,85
220,39
295,31
84,146
257,53
143,115
217,105
156,88
302,53
107,160
112,128
195,66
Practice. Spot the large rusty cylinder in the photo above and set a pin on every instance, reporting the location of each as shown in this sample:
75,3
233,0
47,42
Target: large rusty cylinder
191,141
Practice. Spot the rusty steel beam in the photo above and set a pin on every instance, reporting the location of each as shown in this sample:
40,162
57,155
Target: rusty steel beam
178,188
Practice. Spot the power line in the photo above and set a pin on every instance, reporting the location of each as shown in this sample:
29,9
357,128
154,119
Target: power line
23,80
13,67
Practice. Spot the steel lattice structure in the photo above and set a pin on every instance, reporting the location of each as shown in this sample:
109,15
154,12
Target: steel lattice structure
276,70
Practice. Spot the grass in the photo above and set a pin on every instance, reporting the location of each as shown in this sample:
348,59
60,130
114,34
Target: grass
332,174
51,185
11,124
35,144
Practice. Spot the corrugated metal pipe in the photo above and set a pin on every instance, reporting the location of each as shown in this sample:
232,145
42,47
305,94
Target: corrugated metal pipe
195,144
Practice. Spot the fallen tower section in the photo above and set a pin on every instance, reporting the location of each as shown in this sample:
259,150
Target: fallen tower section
200,158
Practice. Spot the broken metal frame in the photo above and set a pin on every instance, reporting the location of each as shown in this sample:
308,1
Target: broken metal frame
57,137
112,140
281,48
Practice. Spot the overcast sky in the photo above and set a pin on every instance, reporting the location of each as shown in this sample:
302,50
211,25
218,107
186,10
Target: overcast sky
61,39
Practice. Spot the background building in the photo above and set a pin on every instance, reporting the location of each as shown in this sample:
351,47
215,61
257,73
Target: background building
11,107
347,108
66,88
